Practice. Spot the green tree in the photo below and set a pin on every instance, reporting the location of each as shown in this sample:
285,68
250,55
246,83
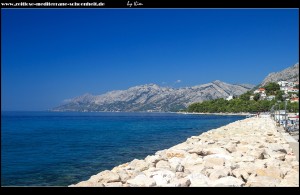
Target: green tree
279,95
256,97
272,88
293,107
239,105
245,96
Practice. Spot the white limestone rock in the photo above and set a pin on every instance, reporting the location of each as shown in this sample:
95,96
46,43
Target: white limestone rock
219,173
241,174
199,168
228,181
277,148
83,184
138,165
105,177
181,182
262,181
152,159
175,164
198,180
113,184
162,164
141,180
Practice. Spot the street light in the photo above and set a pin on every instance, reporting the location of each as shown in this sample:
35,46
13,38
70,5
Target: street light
285,96
279,110
272,112
276,108
285,114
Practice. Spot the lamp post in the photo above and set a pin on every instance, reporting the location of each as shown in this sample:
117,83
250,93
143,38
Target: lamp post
285,114
279,110
272,112
278,113
276,108
275,112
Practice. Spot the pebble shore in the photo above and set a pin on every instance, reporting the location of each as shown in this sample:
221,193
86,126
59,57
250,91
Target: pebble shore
245,153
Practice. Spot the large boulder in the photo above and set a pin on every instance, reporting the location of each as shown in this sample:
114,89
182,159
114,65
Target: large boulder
162,164
113,184
152,159
270,172
240,173
141,180
198,180
105,177
175,164
181,182
138,165
228,181
262,181
84,184
219,173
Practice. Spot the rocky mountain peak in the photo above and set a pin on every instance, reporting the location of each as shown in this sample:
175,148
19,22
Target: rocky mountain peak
217,82
289,74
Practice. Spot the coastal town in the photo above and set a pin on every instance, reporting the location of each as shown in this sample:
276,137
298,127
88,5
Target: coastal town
290,94
283,93
290,90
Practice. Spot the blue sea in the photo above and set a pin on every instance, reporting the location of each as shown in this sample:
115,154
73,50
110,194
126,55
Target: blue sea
59,149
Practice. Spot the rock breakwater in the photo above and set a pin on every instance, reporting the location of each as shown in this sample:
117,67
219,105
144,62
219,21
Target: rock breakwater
249,152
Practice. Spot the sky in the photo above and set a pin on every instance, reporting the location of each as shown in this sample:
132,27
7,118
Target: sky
49,55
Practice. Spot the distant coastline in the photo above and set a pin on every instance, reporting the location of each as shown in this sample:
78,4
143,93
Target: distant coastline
221,113
196,113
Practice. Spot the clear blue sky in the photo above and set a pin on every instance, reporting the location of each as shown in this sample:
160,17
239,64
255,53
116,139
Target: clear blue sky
49,55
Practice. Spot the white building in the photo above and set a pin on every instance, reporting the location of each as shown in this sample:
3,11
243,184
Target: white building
260,90
282,83
294,100
291,84
229,98
284,88
271,97
263,96
294,95
295,90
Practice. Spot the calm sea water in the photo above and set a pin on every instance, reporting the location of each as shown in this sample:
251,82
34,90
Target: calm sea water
58,149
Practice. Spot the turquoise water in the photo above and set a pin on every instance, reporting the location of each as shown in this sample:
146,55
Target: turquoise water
58,149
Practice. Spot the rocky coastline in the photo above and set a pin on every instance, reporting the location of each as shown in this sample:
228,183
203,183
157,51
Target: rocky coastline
246,153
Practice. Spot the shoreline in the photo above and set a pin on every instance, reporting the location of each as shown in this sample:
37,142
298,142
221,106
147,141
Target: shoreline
200,113
222,114
248,152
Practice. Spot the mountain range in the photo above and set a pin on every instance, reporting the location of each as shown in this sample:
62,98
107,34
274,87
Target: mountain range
154,98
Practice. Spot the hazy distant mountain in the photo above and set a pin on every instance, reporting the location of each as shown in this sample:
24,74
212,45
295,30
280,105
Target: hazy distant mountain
152,97
288,74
